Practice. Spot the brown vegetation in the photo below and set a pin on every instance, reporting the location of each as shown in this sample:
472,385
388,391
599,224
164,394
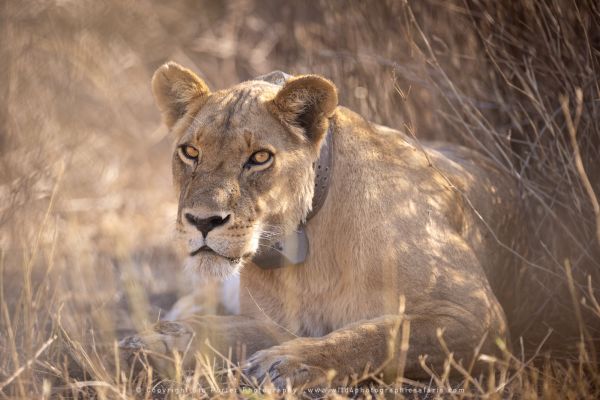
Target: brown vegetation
86,206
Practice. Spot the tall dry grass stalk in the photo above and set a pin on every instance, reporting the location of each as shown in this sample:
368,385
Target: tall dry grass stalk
85,183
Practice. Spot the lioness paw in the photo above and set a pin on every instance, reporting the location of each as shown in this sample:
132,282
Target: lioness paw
273,365
158,347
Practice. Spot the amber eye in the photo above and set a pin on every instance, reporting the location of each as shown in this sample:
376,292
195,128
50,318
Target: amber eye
260,157
189,152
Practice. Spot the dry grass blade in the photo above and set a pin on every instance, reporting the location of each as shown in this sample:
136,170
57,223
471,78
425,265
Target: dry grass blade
28,364
572,125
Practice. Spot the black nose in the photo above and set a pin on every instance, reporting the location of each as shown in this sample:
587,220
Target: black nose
206,225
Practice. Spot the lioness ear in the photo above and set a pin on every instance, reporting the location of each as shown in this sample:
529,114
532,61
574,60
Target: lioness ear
306,102
174,88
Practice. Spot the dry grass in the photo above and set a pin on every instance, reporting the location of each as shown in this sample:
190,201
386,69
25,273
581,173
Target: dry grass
85,191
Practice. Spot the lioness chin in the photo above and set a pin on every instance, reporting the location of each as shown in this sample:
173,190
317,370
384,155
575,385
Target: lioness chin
396,249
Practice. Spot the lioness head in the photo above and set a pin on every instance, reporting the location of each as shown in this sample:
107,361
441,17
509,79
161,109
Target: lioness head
242,161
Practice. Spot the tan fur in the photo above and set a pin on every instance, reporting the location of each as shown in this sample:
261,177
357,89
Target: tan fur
393,244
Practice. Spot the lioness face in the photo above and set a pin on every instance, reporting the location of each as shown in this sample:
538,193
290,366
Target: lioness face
242,162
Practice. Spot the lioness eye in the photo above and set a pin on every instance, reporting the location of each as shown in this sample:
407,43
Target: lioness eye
260,157
189,152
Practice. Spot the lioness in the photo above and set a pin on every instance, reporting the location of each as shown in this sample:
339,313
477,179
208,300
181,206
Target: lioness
409,238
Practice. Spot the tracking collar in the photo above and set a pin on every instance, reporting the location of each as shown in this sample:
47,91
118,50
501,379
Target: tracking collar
293,249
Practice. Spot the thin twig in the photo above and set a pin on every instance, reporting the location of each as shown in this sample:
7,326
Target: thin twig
572,126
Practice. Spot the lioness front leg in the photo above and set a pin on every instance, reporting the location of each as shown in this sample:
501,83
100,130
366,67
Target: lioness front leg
231,336
370,346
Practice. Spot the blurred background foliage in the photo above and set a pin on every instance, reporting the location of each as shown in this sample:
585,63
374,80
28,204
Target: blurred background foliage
86,204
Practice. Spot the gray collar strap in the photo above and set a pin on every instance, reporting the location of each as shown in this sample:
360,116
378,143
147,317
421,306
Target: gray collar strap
293,249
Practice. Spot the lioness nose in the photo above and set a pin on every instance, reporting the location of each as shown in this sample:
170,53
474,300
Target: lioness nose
206,225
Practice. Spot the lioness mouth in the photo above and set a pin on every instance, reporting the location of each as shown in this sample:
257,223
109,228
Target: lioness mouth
206,249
